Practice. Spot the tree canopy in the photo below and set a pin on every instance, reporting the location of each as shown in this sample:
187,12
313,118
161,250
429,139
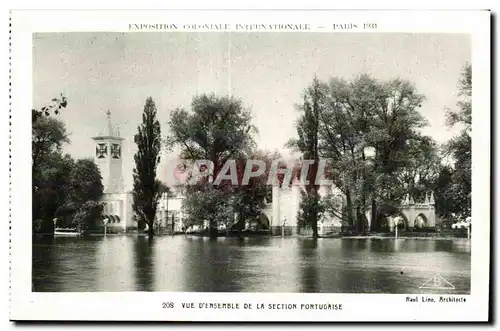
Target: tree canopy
216,129
63,189
368,129
147,188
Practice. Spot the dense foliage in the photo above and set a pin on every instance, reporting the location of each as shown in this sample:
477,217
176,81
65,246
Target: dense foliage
63,189
216,129
147,188
370,131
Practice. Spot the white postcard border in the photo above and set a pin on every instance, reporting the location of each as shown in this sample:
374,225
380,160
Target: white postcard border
148,306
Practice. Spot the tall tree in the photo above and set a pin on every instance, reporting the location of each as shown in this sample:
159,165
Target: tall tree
421,169
48,136
364,129
83,196
463,115
51,187
146,186
459,147
63,189
397,143
69,191
216,129
308,143
343,139
338,141
449,200
249,198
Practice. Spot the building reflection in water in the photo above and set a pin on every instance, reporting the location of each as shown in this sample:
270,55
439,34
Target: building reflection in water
271,265
260,264
115,264
170,256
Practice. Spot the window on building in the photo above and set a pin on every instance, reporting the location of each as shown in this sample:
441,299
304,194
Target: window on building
115,151
101,150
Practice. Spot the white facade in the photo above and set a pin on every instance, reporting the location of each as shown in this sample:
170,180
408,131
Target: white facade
120,205
108,157
118,201
170,214
286,205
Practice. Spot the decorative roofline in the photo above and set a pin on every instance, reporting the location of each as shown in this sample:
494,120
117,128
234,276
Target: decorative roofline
107,137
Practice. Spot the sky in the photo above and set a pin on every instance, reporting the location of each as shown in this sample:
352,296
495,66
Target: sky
103,71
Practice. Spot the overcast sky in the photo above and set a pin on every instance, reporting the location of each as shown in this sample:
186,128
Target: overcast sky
268,71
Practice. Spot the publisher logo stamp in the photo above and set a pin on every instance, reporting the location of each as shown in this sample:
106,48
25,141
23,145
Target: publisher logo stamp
437,282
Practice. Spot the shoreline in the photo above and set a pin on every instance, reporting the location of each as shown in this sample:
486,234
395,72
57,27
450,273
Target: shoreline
434,236
401,238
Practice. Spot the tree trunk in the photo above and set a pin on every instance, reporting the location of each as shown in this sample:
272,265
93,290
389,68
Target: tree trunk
212,229
316,110
350,216
359,220
151,229
314,226
373,223
362,214
213,233
314,223
241,217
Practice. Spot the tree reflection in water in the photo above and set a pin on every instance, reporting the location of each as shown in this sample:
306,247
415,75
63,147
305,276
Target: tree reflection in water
144,263
264,264
44,263
309,277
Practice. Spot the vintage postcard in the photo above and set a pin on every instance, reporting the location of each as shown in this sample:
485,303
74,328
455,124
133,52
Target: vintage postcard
250,165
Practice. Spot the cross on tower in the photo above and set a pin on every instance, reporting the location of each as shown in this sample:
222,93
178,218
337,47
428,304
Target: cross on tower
101,151
108,155
115,151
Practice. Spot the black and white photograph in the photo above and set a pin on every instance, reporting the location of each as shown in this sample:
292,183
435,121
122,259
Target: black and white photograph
253,158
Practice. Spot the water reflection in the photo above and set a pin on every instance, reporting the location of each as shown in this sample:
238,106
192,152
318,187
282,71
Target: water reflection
144,263
44,263
259,264
443,245
309,277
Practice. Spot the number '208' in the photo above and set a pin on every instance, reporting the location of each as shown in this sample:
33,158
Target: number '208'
166,305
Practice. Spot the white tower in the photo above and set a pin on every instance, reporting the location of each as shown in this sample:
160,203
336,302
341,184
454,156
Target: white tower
108,156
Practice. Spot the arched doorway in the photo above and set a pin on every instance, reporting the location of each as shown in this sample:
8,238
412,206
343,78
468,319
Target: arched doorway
421,221
259,223
385,223
263,222
403,220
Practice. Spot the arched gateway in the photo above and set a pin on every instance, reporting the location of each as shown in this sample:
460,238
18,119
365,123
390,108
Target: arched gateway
419,215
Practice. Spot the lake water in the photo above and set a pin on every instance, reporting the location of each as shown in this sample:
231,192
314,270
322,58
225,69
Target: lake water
258,264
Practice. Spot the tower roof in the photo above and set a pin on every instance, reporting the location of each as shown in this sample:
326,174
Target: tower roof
108,130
